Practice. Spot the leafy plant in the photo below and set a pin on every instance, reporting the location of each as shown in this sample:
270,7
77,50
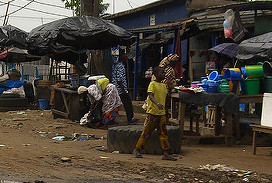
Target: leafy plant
75,5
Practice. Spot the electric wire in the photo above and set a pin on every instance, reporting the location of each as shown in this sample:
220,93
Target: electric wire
22,7
129,3
6,3
40,11
38,2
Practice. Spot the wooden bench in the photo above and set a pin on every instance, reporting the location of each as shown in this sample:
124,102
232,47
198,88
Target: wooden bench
256,129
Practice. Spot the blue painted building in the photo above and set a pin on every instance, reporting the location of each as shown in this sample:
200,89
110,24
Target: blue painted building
155,19
152,14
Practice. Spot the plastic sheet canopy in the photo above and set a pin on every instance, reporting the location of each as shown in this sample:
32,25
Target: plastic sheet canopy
76,33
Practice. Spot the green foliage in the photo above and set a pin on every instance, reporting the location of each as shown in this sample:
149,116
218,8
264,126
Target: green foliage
75,5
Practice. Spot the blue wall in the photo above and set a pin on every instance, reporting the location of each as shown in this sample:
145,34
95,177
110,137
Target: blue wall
163,13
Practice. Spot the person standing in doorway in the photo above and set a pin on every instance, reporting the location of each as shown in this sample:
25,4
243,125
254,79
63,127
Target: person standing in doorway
120,81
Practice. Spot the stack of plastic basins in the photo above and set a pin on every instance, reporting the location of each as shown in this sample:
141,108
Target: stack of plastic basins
212,82
267,69
252,75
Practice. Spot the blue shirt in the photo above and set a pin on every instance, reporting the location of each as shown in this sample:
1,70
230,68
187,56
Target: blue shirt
119,74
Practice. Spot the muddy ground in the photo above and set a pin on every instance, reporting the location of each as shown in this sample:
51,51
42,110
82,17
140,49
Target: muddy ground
29,154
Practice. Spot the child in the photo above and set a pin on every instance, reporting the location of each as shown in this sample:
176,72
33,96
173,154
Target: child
156,117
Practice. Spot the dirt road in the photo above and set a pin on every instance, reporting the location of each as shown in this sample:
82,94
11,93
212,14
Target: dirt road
28,154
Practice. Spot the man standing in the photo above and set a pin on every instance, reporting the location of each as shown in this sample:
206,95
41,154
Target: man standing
120,81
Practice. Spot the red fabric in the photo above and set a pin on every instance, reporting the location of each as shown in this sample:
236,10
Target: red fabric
4,54
178,68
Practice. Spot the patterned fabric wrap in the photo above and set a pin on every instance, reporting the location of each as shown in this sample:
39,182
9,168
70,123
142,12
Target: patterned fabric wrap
119,74
110,99
95,93
151,123
109,117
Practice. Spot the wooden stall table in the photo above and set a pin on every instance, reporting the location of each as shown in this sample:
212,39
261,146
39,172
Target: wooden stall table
246,99
67,104
229,101
256,129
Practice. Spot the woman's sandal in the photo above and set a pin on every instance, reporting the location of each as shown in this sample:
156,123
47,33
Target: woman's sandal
137,154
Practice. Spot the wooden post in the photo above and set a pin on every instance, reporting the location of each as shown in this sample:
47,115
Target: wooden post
191,68
229,126
254,141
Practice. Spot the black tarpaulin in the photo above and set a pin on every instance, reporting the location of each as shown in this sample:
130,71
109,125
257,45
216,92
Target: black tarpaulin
12,36
76,33
256,48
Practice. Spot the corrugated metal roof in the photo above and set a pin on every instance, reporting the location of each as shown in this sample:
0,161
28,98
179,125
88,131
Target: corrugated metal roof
216,21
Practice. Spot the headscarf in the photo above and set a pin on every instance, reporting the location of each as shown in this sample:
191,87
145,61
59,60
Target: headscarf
81,89
167,60
102,84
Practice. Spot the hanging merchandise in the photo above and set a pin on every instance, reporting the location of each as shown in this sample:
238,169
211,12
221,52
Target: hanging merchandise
228,22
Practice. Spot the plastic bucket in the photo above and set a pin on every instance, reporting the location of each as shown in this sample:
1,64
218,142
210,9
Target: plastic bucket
204,77
232,73
254,71
212,83
44,104
268,84
205,87
252,86
243,69
212,89
220,77
267,68
213,76
195,84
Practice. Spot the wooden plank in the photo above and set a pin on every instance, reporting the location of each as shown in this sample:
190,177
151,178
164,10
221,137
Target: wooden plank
181,116
191,69
244,99
66,90
54,111
65,102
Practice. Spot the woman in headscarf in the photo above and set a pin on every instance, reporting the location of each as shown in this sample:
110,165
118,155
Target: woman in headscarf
105,92
168,63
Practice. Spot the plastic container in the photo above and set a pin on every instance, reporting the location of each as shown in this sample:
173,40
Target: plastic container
213,76
205,87
266,111
267,68
232,73
202,78
252,86
212,83
268,84
195,84
223,87
212,89
204,81
220,77
254,71
243,70
44,104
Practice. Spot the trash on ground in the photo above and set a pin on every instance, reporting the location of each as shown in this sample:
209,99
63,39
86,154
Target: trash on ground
21,112
65,159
